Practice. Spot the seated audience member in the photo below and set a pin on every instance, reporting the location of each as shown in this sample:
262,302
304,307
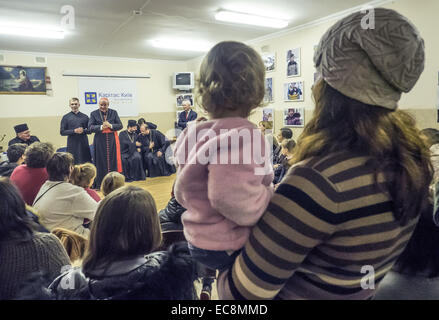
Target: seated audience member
359,180
153,145
132,162
15,155
84,175
23,135
267,130
74,243
24,251
61,204
30,177
287,154
125,267
284,134
170,216
143,121
112,181
187,116
415,275
170,220
431,138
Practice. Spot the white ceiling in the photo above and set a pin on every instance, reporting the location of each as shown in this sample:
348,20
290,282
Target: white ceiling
109,28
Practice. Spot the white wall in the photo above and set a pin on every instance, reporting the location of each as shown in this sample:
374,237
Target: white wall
43,113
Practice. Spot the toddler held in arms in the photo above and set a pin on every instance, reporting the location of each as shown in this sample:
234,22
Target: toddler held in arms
224,176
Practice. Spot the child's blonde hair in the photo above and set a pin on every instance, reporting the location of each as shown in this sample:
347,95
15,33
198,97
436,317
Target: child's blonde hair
232,78
83,174
112,181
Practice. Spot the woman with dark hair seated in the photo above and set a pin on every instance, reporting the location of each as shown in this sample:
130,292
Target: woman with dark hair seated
24,251
29,178
120,263
61,204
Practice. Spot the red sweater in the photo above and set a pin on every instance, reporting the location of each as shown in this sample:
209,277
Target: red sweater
29,181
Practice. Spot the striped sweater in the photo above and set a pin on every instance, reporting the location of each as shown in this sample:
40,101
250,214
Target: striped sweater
325,223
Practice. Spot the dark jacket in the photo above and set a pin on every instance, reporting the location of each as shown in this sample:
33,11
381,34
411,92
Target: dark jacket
6,168
165,275
170,217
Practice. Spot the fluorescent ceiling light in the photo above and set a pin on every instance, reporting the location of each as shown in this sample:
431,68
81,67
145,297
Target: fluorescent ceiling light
182,44
244,18
32,31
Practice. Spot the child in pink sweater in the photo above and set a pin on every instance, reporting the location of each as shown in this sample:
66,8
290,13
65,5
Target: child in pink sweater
224,176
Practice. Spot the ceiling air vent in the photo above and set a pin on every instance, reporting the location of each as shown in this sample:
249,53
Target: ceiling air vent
40,60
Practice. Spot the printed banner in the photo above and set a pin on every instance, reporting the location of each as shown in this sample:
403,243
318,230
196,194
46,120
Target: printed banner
122,94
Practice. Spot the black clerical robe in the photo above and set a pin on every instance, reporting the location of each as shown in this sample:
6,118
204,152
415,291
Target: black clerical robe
106,143
150,126
156,166
131,158
77,144
28,142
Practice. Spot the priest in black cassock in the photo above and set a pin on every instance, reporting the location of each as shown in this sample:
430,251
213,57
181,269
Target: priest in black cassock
153,146
23,135
105,123
74,125
131,157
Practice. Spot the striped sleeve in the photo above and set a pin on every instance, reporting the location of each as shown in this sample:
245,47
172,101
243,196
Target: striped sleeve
300,216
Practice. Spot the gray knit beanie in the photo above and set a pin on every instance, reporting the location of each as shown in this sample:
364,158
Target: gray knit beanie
373,66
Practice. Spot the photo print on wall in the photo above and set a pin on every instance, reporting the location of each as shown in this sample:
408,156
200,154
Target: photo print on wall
181,97
293,62
268,116
293,91
269,59
294,117
268,98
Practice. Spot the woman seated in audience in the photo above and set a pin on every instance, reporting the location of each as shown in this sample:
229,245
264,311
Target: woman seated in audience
120,263
431,138
285,157
112,181
415,275
74,243
360,176
30,177
61,204
83,175
24,251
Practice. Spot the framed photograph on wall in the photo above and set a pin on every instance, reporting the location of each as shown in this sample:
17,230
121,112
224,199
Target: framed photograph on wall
268,116
293,63
293,91
268,98
269,59
181,97
22,80
294,117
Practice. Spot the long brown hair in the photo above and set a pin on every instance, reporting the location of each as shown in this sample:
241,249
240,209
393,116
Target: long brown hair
74,243
126,225
389,138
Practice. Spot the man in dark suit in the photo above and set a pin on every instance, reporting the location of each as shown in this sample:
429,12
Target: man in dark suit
186,116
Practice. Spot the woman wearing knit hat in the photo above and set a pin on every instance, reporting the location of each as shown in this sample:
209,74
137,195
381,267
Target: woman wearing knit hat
360,176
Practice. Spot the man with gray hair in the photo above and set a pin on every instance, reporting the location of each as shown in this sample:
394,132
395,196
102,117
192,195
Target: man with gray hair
186,116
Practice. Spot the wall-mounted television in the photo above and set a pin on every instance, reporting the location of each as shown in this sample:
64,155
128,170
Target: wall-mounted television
183,81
